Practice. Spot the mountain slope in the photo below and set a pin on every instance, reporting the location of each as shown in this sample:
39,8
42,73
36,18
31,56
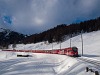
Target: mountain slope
10,37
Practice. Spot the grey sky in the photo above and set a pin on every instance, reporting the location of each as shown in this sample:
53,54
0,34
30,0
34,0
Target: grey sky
34,16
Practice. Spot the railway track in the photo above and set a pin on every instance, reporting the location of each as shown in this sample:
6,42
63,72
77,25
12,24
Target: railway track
90,60
94,65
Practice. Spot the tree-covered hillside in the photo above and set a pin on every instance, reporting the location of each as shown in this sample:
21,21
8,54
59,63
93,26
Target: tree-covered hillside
58,33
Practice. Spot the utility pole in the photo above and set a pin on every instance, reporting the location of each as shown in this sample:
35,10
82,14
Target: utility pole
82,42
70,35
52,45
52,42
70,40
60,45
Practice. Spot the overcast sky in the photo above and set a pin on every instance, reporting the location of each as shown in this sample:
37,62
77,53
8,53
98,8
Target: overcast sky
34,16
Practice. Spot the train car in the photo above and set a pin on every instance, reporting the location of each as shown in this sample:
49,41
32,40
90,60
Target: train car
71,51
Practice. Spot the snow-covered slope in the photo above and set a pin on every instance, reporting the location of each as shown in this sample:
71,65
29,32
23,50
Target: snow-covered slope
91,43
51,64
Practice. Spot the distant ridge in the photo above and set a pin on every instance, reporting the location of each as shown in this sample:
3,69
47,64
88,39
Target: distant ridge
56,34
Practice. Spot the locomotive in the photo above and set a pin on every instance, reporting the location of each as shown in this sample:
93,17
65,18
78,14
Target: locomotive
71,51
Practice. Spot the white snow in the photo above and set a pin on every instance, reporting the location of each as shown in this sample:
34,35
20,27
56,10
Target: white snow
52,64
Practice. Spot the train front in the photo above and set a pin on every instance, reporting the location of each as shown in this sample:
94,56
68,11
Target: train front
75,51
72,51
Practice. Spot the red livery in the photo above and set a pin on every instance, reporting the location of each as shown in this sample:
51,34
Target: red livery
71,51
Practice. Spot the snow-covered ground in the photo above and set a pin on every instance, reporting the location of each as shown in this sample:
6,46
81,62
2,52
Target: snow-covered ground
51,64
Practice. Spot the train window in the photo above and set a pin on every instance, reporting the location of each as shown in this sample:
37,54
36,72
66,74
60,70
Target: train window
70,51
74,49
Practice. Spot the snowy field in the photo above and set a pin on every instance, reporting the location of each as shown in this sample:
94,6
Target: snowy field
51,64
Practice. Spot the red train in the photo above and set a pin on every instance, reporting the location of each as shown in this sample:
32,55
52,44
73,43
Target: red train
71,51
